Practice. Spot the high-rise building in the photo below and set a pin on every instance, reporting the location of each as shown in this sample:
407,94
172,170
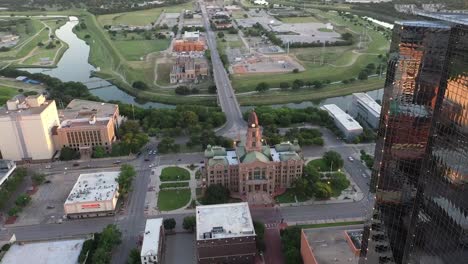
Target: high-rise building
420,172
26,128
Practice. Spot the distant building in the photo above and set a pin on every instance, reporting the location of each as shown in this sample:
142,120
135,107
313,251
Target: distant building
7,167
254,167
367,1
181,45
350,127
191,35
26,128
86,124
188,69
261,2
8,38
225,234
153,242
366,110
330,246
94,194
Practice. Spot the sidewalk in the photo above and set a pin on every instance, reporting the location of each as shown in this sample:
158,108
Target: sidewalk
327,221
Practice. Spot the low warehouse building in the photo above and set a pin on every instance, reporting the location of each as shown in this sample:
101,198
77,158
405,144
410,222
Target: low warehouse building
350,127
153,242
94,194
366,110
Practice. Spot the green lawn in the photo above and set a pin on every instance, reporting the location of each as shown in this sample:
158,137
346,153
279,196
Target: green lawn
173,185
169,200
319,164
308,19
279,97
288,197
175,174
164,69
133,50
325,30
6,93
141,17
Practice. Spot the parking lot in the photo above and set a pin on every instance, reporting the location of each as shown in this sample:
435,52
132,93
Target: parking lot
47,203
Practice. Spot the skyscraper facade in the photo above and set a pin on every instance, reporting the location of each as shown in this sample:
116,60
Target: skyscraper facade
420,173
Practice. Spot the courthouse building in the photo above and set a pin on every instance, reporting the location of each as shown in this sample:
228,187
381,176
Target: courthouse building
253,166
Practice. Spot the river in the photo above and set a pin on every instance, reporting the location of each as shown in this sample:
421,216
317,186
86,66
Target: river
74,66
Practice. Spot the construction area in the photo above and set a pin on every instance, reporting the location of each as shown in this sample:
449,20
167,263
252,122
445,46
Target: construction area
259,63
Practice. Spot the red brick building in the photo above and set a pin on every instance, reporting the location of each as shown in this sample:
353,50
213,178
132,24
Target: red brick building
225,234
183,45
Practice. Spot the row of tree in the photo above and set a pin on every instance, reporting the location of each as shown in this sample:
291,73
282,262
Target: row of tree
99,248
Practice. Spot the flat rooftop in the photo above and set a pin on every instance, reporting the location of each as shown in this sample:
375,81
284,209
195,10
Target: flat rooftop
346,120
369,103
81,122
47,252
329,246
452,17
25,111
151,237
92,187
78,108
224,221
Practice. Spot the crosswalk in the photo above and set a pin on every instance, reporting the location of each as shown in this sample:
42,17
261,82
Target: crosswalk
271,225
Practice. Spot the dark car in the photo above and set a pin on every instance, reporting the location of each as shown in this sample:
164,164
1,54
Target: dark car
76,164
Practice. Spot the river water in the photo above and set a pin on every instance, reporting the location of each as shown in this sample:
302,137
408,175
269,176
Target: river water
74,66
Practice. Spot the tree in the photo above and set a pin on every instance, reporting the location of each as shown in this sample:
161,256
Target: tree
216,194
347,36
339,182
296,70
189,223
333,160
99,152
38,178
67,153
297,84
323,190
167,145
134,257
284,85
22,200
220,34
140,85
125,178
363,75
40,44
212,89
260,232
317,84
262,87
182,90
169,223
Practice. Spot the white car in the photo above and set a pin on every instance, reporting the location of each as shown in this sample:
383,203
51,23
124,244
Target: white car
350,159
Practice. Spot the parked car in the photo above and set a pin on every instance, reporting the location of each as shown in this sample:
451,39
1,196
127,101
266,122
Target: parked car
48,166
117,162
76,164
350,159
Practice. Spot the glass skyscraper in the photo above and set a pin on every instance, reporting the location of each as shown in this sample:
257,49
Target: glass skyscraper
420,173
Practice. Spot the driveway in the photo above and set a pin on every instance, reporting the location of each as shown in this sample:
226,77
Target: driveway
180,248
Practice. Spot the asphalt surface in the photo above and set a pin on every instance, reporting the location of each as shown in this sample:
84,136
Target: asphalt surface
235,124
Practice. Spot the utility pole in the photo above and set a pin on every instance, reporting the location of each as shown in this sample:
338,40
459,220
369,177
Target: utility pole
323,52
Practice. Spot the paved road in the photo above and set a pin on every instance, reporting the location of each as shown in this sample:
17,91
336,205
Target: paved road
235,124
132,222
